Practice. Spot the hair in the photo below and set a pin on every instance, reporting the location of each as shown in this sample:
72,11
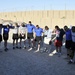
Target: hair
30,22
57,27
73,29
7,25
37,25
46,27
0,24
16,24
65,26
22,24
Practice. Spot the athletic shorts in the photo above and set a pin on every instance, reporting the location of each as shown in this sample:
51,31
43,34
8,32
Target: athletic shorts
58,43
0,37
29,35
38,38
73,46
68,44
15,37
22,36
5,36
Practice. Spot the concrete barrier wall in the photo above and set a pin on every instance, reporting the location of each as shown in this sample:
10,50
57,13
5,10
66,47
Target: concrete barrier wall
42,18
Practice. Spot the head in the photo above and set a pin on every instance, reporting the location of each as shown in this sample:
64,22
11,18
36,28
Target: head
37,26
7,25
30,22
46,28
0,25
66,28
56,27
22,24
73,29
16,24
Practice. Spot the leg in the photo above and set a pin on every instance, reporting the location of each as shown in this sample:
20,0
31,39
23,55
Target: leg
32,43
68,53
5,45
20,43
29,42
24,43
39,45
16,43
71,57
57,49
13,44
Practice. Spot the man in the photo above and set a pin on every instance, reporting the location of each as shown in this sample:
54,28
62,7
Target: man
30,27
59,38
22,34
38,35
71,61
68,40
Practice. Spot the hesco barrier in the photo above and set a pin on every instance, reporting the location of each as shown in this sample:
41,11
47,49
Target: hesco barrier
42,17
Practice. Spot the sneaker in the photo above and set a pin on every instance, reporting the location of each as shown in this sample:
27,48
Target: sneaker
29,46
13,47
70,62
46,50
17,47
24,47
56,53
59,54
73,62
6,49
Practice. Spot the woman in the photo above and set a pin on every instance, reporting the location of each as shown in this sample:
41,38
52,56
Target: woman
22,34
15,35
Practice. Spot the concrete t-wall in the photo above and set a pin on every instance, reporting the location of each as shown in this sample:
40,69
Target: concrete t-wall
42,17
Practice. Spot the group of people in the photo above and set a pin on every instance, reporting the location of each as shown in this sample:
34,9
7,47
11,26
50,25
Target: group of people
23,31
35,34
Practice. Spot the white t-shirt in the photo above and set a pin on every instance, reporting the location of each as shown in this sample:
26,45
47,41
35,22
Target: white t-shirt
73,36
49,34
48,38
22,30
15,30
46,32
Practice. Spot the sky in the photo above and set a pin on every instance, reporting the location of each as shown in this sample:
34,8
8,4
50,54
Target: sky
27,5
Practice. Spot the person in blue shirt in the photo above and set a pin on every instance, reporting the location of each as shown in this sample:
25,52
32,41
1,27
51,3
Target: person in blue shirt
68,40
38,35
6,29
30,27
0,34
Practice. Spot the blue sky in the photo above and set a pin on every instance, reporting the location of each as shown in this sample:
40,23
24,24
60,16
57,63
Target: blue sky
22,5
